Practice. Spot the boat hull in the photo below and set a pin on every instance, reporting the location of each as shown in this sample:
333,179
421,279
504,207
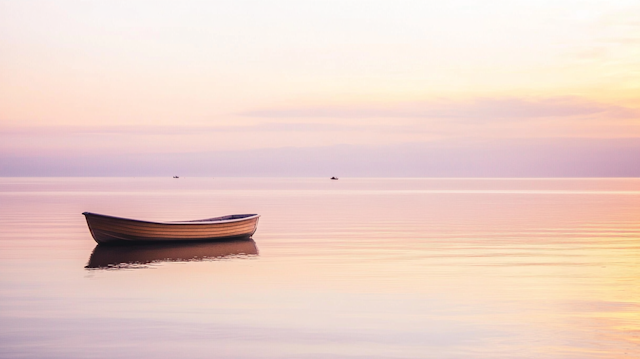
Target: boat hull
115,230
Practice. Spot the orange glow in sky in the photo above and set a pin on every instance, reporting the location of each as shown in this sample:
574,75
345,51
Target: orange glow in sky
134,76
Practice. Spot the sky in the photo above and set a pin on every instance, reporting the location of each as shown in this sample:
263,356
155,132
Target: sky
320,88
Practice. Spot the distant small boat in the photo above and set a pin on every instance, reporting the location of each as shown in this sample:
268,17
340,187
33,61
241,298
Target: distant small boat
115,230
334,178
176,177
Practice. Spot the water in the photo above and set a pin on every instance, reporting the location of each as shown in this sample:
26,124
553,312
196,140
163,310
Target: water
355,268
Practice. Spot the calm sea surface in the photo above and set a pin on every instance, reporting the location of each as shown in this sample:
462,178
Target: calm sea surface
355,268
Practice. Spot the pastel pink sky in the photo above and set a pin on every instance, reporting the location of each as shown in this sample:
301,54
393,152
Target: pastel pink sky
117,78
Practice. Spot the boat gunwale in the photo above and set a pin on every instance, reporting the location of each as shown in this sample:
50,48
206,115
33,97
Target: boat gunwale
192,222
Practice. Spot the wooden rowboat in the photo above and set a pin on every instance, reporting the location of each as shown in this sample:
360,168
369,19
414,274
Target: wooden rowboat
114,230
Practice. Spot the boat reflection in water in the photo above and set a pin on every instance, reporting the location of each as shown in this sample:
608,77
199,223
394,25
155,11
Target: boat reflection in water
138,255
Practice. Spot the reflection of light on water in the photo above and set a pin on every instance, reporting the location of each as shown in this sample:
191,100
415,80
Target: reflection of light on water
371,268
139,255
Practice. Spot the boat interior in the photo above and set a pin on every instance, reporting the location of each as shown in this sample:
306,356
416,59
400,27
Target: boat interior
223,218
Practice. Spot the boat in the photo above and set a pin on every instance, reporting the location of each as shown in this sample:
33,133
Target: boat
176,177
140,255
334,178
116,230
